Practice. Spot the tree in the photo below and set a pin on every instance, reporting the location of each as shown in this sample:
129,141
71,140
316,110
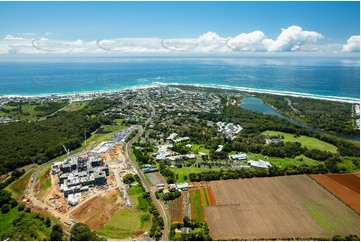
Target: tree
47,222
5,208
21,207
82,232
56,233
128,178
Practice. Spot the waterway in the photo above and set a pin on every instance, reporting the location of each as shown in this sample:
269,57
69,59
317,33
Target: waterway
257,105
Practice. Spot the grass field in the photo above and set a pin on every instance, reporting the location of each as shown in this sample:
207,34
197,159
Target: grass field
6,220
204,197
75,106
30,227
43,172
28,112
185,171
119,120
199,148
309,142
283,162
18,187
128,221
197,212
348,164
46,184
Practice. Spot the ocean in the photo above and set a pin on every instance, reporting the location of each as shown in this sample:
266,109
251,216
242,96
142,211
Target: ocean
327,78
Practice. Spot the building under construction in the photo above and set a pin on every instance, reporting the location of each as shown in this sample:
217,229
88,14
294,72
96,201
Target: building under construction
76,174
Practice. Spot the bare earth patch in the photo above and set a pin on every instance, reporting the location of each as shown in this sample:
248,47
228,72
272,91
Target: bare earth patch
97,211
278,207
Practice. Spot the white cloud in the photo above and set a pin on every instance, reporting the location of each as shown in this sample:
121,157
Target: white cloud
254,41
210,37
353,44
291,39
294,38
10,37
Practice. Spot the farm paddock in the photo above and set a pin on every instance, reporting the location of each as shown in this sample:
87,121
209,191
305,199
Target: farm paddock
277,208
344,186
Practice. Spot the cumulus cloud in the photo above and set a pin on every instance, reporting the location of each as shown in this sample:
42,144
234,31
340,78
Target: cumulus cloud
293,38
254,41
210,37
353,44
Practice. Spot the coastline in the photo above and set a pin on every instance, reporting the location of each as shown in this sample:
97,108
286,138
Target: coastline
214,86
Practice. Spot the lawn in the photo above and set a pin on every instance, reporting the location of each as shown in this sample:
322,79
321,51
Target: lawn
75,106
199,148
43,172
6,220
113,128
18,187
127,221
124,223
283,162
119,120
196,205
309,142
185,171
46,184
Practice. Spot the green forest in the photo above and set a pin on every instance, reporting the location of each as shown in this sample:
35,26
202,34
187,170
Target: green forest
330,116
23,143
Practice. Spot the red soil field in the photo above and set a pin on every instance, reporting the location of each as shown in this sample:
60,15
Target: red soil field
345,192
350,181
211,198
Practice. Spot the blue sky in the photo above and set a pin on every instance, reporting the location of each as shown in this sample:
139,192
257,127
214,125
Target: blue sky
211,27
92,20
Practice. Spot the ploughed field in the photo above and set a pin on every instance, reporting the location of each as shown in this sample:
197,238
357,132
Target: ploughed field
344,186
277,207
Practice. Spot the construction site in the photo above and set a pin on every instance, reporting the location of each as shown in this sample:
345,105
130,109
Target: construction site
90,180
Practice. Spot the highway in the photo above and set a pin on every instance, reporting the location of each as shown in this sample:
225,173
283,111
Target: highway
147,187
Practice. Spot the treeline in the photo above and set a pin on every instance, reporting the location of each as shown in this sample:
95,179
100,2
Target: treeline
131,135
157,221
170,195
6,200
23,143
330,166
82,232
49,107
166,172
327,115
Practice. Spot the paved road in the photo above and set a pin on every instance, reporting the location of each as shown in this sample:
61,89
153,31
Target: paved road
147,187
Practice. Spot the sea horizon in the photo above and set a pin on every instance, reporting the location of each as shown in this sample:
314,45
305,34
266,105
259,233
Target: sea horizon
318,78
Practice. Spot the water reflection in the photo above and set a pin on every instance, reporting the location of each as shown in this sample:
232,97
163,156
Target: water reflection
257,105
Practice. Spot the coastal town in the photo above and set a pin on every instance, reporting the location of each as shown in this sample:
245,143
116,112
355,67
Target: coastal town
170,142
